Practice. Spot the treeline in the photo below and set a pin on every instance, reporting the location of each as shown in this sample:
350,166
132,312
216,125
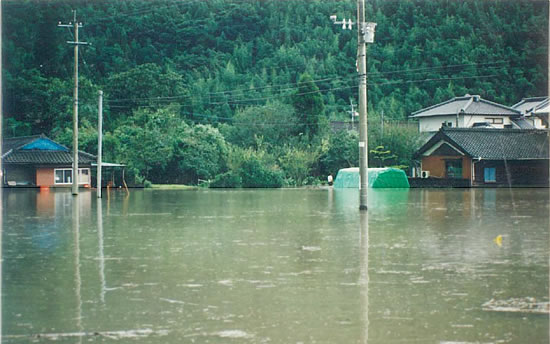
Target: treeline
241,91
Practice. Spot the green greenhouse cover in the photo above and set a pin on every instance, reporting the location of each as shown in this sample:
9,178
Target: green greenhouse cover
378,178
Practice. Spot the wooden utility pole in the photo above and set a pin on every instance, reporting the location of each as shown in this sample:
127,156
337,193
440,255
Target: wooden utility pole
76,43
99,143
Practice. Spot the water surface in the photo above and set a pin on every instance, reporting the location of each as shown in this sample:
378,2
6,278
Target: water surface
275,266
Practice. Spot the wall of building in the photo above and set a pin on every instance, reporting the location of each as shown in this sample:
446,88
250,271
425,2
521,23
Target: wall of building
432,124
470,120
44,176
436,166
518,172
19,175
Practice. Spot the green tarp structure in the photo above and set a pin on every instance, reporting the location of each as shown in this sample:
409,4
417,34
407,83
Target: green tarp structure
378,178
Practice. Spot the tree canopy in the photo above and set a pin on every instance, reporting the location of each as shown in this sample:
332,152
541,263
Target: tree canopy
257,73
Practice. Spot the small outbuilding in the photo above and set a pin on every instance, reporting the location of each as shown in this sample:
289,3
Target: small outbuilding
490,157
40,161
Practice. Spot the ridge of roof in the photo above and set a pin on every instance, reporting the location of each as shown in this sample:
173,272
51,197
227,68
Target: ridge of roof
19,141
493,130
525,101
499,105
439,104
529,100
473,99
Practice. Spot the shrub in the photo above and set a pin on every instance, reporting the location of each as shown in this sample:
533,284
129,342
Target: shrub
256,175
227,180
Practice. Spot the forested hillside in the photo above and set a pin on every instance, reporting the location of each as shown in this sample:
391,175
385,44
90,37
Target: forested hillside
197,89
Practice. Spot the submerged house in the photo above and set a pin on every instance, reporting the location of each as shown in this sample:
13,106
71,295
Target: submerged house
469,111
40,161
480,156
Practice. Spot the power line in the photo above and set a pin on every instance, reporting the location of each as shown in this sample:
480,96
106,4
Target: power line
348,79
244,101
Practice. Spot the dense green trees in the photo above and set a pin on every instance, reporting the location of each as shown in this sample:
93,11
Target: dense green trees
192,86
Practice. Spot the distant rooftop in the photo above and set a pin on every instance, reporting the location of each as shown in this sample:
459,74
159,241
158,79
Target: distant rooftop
469,105
532,104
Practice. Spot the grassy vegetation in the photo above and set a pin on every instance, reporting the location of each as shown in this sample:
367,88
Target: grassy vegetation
172,187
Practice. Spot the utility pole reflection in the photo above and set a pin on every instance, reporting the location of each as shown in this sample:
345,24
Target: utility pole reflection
77,277
101,253
364,274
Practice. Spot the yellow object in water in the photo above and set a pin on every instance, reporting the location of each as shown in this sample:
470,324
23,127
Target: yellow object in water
498,240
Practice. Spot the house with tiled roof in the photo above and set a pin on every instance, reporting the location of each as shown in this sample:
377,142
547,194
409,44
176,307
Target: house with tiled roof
469,111
534,110
40,161
510,157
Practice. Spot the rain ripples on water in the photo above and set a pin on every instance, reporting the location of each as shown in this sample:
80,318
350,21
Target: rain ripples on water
276,266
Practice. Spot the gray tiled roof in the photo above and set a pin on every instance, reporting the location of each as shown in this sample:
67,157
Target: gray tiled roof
527,105
472,105
17,142
522,123
494,144
14,154
46,158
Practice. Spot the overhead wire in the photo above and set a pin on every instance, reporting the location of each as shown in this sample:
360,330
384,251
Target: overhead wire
244,101
406,72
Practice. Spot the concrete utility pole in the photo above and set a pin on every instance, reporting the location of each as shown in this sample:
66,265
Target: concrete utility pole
1,167
76,43
365,34
99,142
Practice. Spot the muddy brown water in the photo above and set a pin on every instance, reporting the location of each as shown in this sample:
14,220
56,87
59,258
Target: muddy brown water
276,266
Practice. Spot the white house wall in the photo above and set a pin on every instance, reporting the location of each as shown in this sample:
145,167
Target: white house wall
433,123
469,120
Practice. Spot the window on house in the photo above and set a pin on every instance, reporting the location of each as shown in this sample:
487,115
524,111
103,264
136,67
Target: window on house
453,168
83,176
494,120
65,176
490,175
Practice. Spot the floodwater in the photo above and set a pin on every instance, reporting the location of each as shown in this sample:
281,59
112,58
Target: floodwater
276,266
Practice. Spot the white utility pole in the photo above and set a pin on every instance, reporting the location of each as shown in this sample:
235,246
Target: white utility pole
365,34
76,43
99,143
353,113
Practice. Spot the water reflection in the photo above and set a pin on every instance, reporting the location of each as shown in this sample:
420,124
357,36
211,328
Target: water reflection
77,277
364,274
278,266
101,251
